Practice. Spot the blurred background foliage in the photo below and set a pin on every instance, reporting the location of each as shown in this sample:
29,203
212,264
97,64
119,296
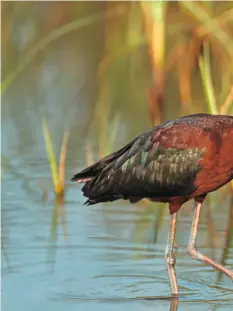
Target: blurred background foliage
109,70
129,39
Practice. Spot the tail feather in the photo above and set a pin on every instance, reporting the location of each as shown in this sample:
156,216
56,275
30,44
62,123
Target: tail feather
91,171
101,179
103,198
88,173
96,187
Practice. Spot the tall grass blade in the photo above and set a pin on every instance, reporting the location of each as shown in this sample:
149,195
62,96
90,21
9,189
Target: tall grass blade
155,17
51,156
158,10
61,168
205,69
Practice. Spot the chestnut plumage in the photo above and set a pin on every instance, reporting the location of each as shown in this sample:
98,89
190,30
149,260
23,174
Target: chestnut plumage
174,162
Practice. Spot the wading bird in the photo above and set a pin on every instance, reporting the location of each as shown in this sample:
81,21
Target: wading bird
177,161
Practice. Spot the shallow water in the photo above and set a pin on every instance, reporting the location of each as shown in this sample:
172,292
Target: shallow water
59,256
102,257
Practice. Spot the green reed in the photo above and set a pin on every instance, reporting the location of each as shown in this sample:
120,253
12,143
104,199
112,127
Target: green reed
57,170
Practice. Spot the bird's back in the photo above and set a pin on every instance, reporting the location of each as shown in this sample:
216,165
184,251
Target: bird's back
170,160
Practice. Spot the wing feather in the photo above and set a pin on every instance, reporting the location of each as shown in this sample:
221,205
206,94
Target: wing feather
159,163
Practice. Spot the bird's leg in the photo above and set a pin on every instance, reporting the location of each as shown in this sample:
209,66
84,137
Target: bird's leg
192,250
170,256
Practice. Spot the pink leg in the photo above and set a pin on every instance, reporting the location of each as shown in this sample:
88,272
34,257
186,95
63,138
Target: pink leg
170,256
192,250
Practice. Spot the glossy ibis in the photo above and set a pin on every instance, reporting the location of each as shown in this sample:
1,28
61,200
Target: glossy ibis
177,161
